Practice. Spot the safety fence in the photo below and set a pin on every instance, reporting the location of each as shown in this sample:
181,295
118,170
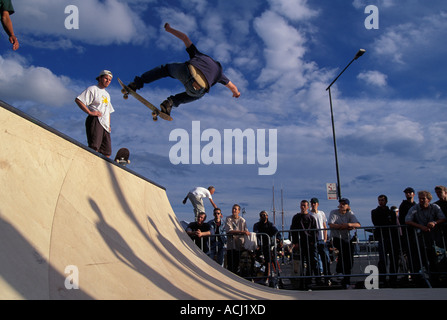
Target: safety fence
392,256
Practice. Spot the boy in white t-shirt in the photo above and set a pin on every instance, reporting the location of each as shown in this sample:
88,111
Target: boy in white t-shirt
95,101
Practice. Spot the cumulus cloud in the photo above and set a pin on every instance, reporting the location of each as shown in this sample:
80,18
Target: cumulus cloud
100,22
295,10
413,40
374,77
178,20
20,81
284,50
361,4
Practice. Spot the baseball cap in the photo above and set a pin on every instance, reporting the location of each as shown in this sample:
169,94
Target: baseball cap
314,200
409,189
345,200
104,73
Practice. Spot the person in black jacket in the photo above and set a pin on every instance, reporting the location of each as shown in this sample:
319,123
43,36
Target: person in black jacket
387,234
199,231
404,207
265,239
304,239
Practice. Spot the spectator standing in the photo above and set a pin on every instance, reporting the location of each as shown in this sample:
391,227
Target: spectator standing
441,192
199,232
304,239
236,229
406,204
425,217
387,234
341,221
217,240
267,239
322,249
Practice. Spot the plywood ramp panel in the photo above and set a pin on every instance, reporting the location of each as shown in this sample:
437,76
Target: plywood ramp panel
65,208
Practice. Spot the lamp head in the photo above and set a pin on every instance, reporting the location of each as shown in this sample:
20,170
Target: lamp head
359,54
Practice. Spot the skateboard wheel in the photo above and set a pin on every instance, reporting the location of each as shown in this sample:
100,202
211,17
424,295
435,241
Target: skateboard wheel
126,96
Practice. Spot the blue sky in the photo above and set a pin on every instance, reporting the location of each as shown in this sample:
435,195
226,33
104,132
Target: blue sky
389,106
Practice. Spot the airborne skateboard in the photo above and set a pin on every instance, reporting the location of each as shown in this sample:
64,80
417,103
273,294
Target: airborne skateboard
155,111
122,156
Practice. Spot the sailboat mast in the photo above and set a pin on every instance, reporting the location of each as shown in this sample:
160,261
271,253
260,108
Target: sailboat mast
274,211
282,212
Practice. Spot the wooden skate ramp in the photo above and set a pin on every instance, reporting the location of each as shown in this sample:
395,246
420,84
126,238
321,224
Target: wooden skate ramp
65,209
67,213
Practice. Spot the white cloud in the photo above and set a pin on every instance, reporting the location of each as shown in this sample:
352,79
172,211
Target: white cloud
374,77
100,22
361,4
412,40
295,10
22,82
198,5
284,50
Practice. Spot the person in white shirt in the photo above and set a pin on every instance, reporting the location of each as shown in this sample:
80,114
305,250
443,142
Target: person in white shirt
323,252
95,101
236,229
196,196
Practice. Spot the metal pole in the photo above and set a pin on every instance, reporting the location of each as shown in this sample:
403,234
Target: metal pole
335,146
358,55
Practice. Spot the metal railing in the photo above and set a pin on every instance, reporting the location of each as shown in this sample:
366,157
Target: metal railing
296,259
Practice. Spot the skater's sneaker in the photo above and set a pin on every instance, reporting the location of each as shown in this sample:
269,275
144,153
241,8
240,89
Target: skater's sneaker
166,106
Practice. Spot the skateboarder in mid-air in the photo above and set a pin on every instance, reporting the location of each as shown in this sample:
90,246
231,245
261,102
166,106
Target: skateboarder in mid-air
198,75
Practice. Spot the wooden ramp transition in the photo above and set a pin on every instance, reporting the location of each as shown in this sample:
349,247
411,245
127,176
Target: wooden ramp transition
68,213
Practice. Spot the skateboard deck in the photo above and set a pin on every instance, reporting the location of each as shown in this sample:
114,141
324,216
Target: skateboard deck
155,111
122,156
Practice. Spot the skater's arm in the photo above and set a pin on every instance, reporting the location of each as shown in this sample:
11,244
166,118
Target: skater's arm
7,25
179,35
233,89
213,204
84,108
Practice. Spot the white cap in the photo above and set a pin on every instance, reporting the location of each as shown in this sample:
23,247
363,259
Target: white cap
105,73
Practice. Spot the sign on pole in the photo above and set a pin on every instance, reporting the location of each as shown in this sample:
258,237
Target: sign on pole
331,191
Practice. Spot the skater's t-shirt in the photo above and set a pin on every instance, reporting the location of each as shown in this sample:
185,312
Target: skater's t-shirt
97,99
201,193
211,69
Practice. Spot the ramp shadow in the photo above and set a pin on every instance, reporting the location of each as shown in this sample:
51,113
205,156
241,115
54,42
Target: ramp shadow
23,267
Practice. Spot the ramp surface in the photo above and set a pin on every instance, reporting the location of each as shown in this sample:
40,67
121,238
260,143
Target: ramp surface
69,216
65,209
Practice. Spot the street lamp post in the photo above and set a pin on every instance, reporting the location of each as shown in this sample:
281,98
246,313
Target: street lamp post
358,55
